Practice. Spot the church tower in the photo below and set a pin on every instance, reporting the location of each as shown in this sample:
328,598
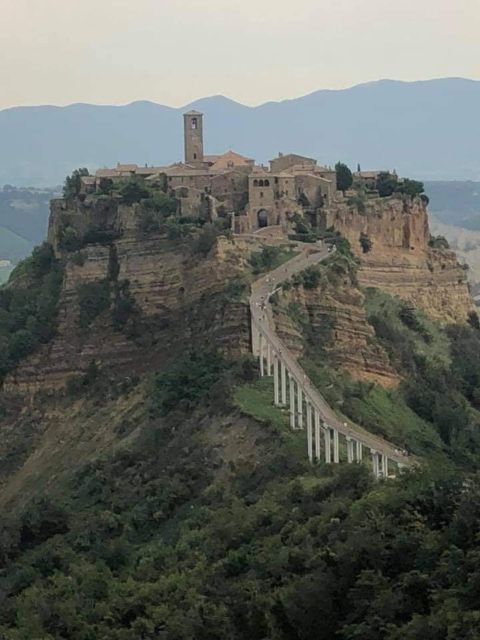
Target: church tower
193,133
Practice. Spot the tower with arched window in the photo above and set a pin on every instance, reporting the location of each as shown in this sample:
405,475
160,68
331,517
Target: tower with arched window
193,135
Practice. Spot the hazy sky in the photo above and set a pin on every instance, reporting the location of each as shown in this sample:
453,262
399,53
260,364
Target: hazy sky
173,51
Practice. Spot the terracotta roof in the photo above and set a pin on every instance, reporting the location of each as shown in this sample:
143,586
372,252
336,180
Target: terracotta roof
126,167
106,173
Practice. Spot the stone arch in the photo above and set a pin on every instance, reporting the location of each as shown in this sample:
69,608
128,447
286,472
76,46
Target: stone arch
267,183
262,219
260,183
255,183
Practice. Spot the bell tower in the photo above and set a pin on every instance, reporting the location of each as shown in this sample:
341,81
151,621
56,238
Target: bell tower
193,134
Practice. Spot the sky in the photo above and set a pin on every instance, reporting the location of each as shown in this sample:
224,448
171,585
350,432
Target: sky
175,51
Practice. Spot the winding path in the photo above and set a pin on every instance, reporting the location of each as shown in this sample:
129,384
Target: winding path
293,388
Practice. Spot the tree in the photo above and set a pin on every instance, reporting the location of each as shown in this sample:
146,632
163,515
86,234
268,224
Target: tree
344,176
105,186
133,191
386,184
412,188
73,183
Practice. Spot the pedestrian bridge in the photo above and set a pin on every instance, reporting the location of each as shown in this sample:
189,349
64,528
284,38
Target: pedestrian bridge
292,389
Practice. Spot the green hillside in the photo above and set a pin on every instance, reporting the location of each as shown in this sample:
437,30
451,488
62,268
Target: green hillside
202,519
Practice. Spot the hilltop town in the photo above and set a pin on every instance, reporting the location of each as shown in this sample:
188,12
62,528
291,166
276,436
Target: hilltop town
232,185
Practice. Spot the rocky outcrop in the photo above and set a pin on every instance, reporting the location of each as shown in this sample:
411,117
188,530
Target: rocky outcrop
178,295
332,319
390,236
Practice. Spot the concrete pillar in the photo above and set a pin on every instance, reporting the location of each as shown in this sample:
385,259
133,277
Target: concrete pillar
283,375
269,359
291,391
358,451
276,390
317,435
336,447
300,406
375,463
384,466
260,348
327,432
350,450
309,431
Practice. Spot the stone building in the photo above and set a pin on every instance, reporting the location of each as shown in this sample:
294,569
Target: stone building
231,184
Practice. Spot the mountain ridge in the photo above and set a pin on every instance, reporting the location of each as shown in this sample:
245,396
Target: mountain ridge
424,129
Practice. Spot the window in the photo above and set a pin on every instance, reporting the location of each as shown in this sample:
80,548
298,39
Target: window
260,183
276,180
267,183
194,123
194,156
261,194
255,183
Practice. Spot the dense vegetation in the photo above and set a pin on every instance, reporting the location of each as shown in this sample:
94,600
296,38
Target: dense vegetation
205,520
28,306
160,540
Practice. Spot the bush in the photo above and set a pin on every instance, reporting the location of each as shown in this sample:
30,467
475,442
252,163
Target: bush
344,176
205,240
365,243
93,299
133,191
73,183
438,242
189,381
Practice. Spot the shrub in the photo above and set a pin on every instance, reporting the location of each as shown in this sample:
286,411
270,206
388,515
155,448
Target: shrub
438,242
311,278
73,183
344,176
190,380
93,299
205,240
365,242
133,191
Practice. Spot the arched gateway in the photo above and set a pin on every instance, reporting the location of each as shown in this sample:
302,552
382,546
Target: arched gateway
262,219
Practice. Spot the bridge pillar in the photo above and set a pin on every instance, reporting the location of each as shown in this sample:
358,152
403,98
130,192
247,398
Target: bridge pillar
336,447
375,463
260,350
269,359
291,392
327,433
309,431
358,451
317,435
283,374
300,406
276,394
384,466
350,450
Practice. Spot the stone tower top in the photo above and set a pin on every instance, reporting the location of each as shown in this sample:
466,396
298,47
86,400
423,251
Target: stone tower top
193,133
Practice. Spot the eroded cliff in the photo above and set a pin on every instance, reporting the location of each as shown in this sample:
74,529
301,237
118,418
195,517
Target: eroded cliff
391,237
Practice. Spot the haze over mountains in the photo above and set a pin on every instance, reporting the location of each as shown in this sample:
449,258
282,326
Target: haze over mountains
427,130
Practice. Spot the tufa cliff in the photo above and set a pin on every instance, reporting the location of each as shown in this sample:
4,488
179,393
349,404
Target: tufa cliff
173,293
391,237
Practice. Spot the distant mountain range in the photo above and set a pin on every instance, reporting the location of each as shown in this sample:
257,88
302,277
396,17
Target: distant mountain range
427,130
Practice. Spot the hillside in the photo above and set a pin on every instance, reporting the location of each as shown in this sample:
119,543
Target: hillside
149,488
42,144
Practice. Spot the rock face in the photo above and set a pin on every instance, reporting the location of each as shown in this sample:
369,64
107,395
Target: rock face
179,295
333,317
396,258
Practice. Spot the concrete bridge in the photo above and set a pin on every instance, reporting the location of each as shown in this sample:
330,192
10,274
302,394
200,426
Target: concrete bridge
309,411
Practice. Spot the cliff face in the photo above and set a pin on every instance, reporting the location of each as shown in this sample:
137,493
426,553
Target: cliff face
178,296
335,321
397,259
